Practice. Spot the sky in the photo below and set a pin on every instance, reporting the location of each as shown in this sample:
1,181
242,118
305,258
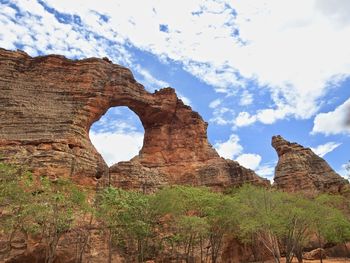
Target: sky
251,68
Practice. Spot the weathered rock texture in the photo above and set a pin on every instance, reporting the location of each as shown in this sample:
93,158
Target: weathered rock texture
49,103
300,169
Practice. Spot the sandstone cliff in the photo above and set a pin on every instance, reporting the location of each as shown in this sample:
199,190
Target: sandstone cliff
49,103
300,169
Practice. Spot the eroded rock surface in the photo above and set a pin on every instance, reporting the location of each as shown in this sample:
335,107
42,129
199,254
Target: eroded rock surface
49,103
300,169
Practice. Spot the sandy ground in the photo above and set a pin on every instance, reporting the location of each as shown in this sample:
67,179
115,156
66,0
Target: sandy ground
329,260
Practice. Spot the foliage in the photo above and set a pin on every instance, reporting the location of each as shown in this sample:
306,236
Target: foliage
258,216
38,205
15,201
57,204
127,216
176,222
195,219
280,219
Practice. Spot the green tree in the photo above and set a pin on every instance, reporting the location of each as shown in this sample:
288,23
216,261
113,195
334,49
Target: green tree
109,209
221,212
128,218
57,204
15,201
329,223
191,231
258,217
197,218
137,222
38,205
181,209
297,225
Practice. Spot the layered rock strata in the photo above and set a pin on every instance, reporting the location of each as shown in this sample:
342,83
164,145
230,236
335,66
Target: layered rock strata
300,169
49,103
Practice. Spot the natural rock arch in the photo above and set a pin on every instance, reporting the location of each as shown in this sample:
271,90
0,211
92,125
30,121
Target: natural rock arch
50,103
118,135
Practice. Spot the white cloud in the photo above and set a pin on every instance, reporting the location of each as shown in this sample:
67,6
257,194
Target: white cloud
117,135
184,99
265,116
230,148
149,80
323,149
249,160
246,98
116,147
215,103
244,119
337,10
222,116
266,170
345,170
333,122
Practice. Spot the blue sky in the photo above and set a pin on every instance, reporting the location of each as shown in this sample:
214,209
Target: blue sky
252,69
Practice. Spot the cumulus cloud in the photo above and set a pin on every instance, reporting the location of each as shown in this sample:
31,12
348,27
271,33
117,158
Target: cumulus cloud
266,170
184,99
244,119
345,170
222,116
323,149
115,147
149,80
333,122
249,160
230,148
337,10
246,98
117,135
215,103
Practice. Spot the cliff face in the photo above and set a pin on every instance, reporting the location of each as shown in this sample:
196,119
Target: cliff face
300,169
49,103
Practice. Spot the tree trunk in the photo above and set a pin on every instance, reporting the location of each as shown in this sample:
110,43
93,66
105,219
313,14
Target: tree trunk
215,242
51,250
277,259
346,249
110,247
201,245
320,246
299,255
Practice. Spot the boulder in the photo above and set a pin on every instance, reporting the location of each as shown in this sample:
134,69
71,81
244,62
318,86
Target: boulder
315,254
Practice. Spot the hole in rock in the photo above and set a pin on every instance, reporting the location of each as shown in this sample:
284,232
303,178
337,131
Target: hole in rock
117,135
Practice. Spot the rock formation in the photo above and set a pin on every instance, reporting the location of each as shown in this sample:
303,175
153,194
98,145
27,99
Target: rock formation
49,103
300,169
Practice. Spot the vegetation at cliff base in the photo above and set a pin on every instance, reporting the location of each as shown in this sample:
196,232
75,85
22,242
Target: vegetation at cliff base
175,223
33,205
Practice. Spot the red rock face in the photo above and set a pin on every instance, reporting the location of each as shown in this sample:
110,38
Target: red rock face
300,169
49,104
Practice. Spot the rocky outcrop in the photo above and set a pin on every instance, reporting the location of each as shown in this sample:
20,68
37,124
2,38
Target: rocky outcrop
317,253
300,169
49,103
